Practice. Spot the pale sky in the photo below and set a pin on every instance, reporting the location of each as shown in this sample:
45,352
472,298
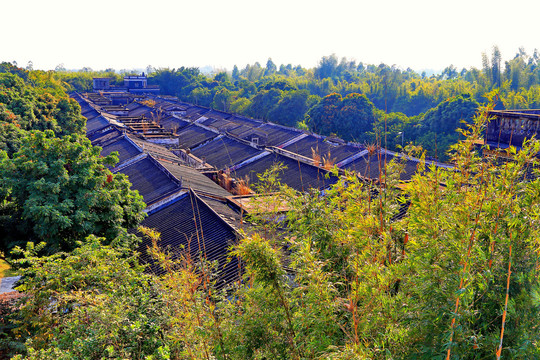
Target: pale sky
123,34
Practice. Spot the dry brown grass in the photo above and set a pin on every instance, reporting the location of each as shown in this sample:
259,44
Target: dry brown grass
156,117
145,126
328,162
225,181
315,156
242,187
371,148
150,103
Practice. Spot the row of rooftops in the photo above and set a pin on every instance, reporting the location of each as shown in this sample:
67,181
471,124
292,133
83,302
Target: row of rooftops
227,142
174,153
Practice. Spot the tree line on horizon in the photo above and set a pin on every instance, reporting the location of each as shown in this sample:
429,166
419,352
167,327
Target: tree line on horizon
402,106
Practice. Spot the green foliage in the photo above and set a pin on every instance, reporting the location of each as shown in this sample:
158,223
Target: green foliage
277,95
351,117
450,115
93,303
438,129
44,106
6,67
60,191
263,102
461,234
291,108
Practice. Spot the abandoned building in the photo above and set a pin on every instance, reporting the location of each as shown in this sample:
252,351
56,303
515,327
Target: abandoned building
195,166
512,127
132,84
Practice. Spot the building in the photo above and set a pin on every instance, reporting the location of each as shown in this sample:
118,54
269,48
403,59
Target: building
511,127
132,84
100,84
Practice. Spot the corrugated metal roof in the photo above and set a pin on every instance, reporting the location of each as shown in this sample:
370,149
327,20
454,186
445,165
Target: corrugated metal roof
189,227
193,135
119,143
156,150
149,180
224,152
371,165
298,175
172,123
310,144
277,135
243,120
96,123
193,179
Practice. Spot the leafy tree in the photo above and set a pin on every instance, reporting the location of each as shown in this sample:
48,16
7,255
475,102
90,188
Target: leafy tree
201,96
471,250
324,115
240,105
327,67
95,302
496,67
41,107
263,103
235,73
6,67
450,114
270,68
352,277
61,191
222,99
356,117
291,108
222,78
178,82
351,117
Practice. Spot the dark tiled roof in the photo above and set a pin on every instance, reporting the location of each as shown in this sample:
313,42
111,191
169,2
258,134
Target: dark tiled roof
89,112
224,209
298,175
307,145
133,106
98,137
189,226
119,143
140,110
369,166
173,124
275,135
193,179
278,135
224,152
216,114
149,180
97,123
240,130
157,151
219,124
193,135
245,121
194,112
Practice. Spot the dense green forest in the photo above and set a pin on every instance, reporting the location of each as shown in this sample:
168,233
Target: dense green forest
456,277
